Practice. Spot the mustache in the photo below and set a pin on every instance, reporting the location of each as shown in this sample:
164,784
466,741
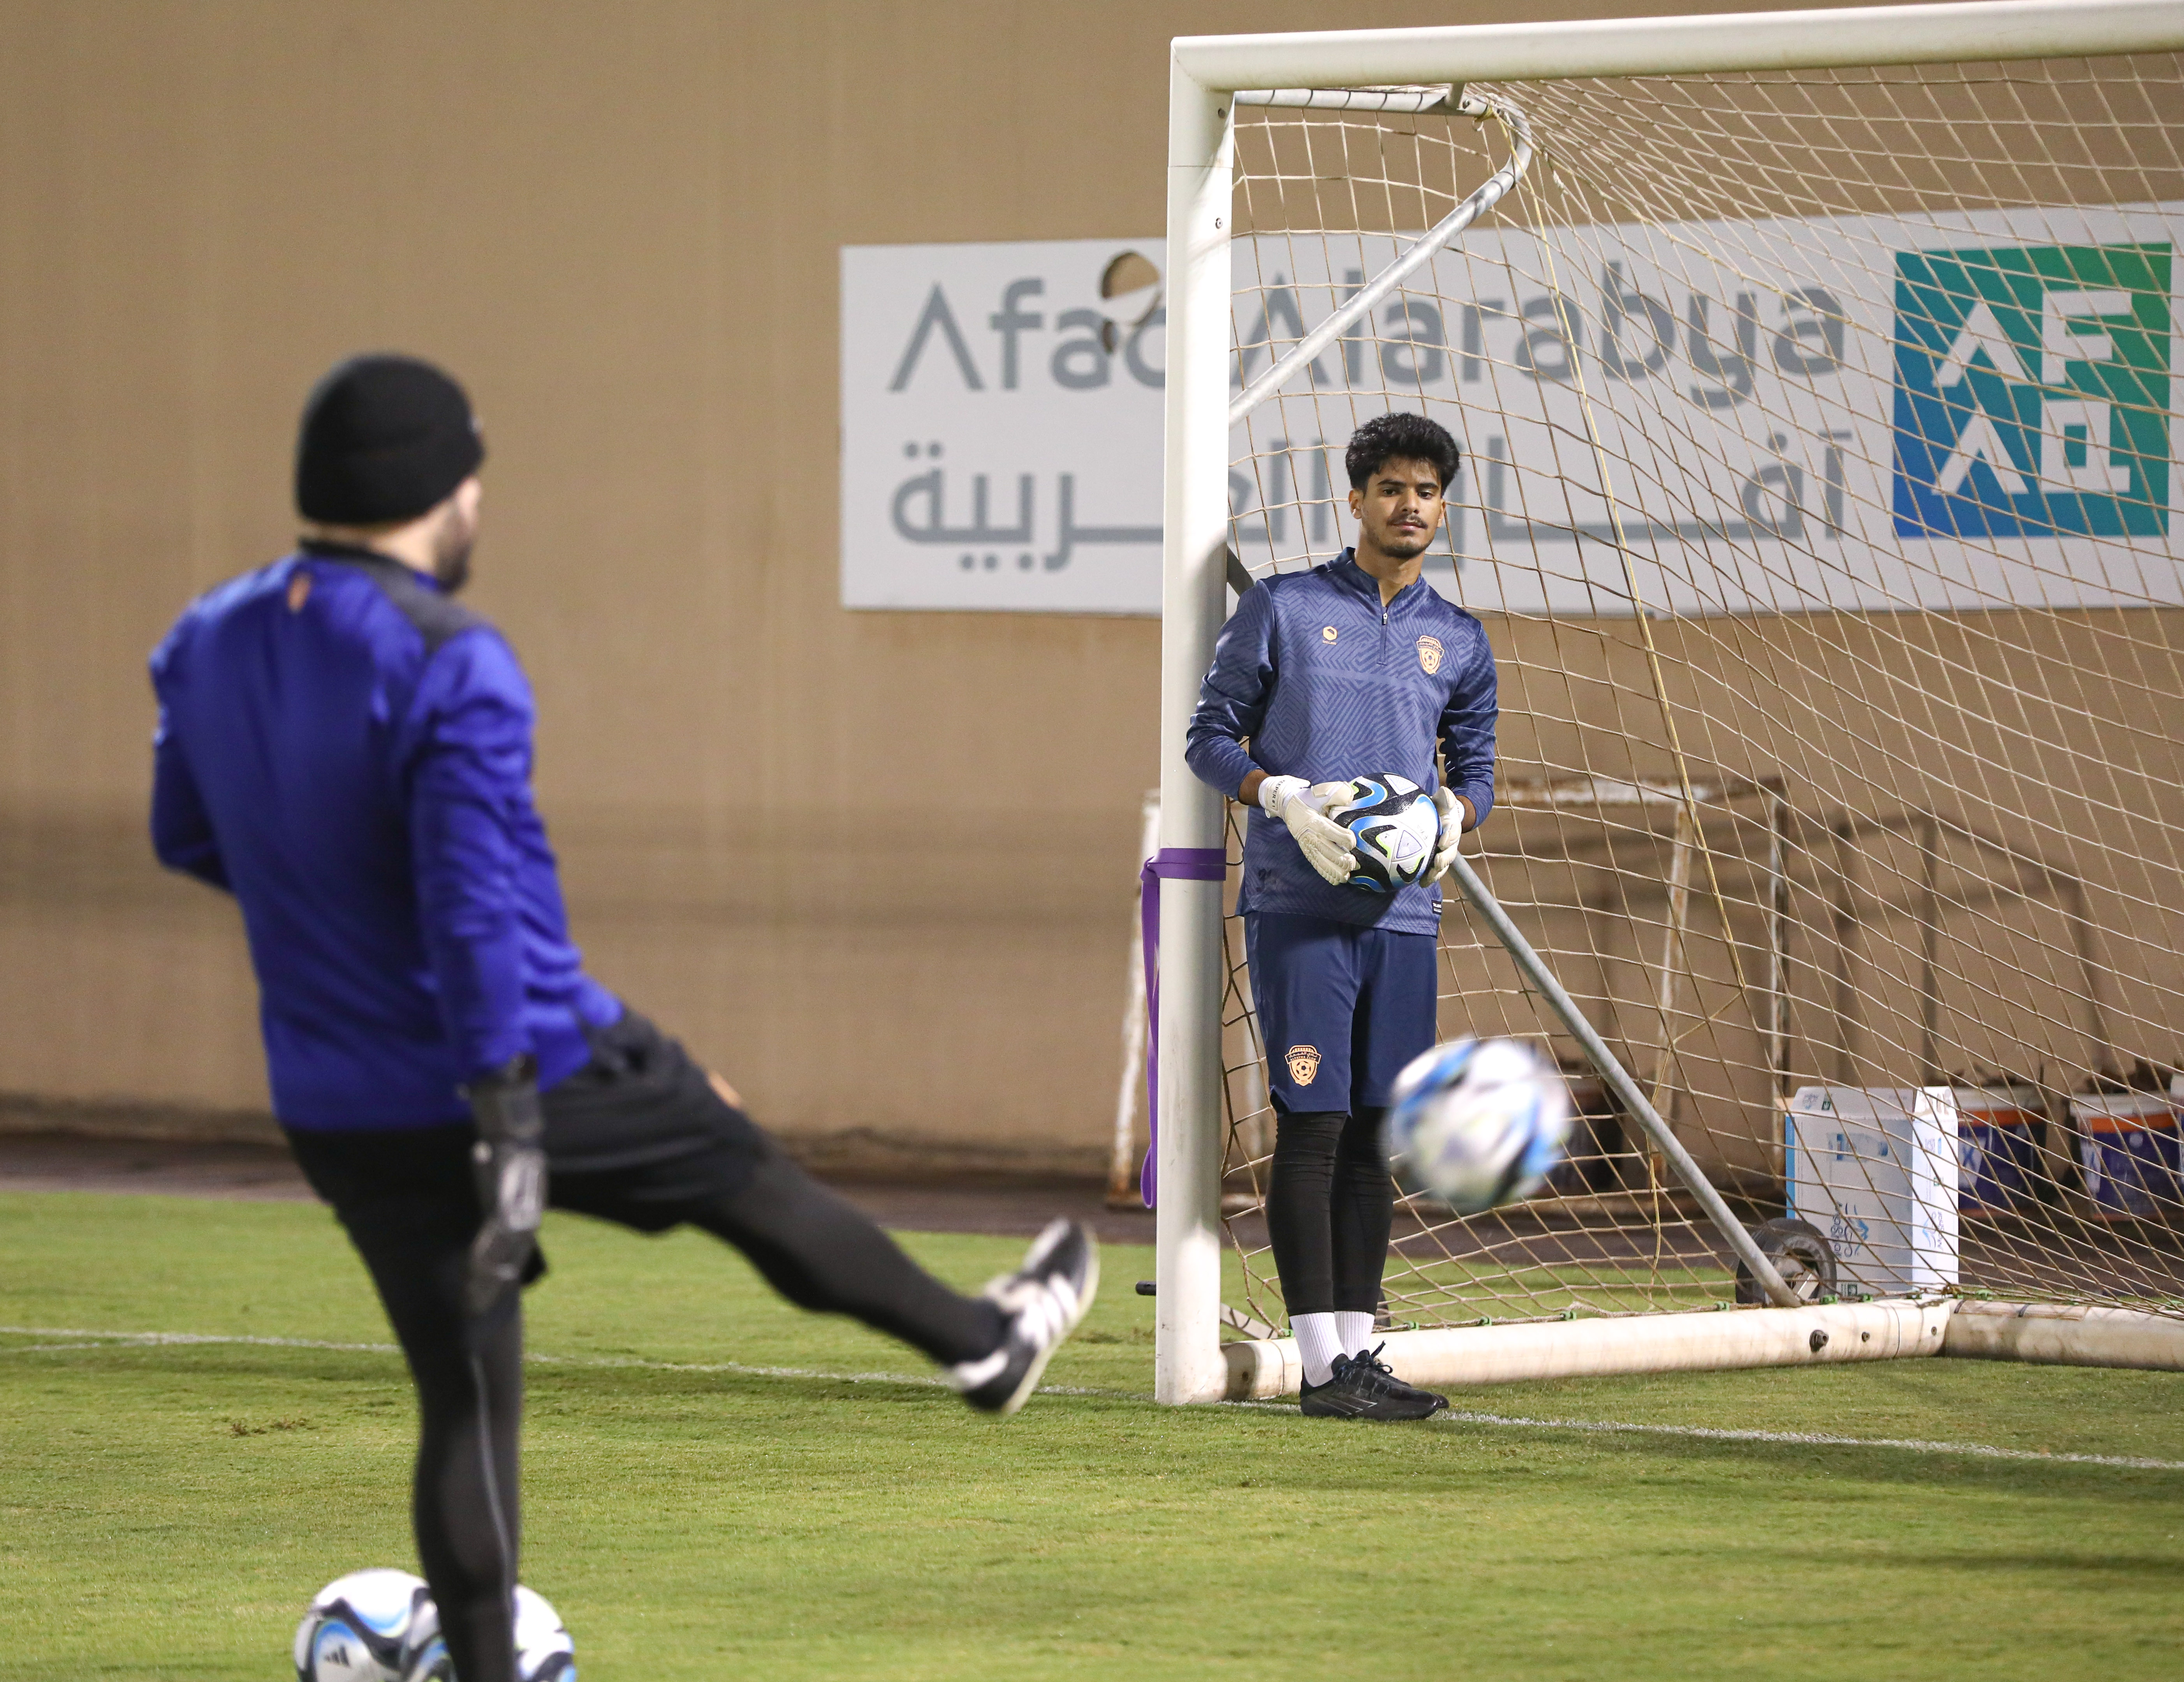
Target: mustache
1404,544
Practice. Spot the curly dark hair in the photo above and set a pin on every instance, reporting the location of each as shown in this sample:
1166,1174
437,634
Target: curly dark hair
1400,437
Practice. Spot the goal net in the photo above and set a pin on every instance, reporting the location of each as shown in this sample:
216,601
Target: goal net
1817,501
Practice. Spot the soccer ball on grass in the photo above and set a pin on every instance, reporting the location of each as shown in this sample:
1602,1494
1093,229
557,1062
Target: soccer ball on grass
543,1650
361,1627
1477,1123
381,1626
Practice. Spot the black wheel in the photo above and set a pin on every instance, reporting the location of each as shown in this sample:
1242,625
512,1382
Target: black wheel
1800,1253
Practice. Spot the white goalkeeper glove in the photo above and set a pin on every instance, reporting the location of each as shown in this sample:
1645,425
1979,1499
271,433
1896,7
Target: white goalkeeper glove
1324,843
1452,831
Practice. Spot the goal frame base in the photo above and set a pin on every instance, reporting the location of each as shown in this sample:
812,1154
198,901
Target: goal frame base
1822,1335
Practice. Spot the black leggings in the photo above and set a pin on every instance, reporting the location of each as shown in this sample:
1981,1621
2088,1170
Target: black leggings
1329,1207
463,1501
640,1138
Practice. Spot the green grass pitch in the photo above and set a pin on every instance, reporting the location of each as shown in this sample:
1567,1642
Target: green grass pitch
166,1509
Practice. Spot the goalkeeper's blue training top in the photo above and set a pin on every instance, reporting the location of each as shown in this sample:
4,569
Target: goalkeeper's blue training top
1324,682
347,751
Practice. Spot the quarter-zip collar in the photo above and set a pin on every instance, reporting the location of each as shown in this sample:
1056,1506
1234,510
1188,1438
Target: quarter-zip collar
1345,569
371,559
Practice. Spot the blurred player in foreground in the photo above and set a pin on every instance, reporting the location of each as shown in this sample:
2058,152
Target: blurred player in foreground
1355,667
347,751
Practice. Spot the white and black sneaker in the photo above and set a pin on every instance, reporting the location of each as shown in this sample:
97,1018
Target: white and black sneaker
1042,1300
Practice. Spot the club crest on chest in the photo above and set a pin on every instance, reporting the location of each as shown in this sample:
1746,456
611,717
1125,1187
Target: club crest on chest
1429,654
1304,1063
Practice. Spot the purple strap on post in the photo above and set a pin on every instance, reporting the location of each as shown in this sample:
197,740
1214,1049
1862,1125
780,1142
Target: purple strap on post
1178,864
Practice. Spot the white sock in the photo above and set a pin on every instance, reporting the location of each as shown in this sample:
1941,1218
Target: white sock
1354,1332
1317,1343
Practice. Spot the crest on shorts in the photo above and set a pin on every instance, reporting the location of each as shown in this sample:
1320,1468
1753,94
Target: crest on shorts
1304,1063
1429,655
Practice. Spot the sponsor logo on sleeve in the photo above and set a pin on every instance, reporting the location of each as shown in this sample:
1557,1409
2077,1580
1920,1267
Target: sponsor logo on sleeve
1304,1064
1327,633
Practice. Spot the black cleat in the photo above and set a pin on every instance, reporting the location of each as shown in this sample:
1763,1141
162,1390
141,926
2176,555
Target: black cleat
1363,1387
1043,1300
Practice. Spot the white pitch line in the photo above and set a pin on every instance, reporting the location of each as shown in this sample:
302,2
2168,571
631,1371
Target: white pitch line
532,1358
930,1381
126,1339
1821,1439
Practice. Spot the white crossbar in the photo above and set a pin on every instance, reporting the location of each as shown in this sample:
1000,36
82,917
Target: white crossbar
1984,31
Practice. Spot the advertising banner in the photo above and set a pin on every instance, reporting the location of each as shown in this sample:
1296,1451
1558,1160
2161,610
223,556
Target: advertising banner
1867,414
1001,427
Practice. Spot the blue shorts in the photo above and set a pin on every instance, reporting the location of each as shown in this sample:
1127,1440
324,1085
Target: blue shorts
1342,1007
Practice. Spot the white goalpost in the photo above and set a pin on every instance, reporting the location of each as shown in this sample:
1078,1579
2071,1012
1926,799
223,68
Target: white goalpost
1812,372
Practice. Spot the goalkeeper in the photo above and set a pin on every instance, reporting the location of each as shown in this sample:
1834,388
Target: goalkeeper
1355,667
347,751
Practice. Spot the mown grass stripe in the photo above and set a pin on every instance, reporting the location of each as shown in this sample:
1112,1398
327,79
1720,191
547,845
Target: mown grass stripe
109,1339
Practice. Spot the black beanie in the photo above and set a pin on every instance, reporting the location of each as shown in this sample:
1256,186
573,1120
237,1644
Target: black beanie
384,438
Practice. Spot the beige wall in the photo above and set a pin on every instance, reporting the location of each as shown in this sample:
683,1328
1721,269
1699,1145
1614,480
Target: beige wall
619,223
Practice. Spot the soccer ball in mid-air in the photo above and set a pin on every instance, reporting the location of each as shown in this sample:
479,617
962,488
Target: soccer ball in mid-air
361,1627
543,1650
1393,827
1478,1123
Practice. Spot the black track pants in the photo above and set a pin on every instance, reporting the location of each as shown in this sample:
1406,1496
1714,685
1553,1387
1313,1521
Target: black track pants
470,1403
641,1138
1329,1207
822,1252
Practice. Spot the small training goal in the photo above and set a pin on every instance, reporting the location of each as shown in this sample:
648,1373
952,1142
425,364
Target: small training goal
1814,376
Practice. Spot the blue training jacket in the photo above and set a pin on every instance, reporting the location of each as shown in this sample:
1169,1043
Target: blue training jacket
1326,683
347,751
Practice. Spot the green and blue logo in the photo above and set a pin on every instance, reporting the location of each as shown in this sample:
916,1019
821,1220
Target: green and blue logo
2032,392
